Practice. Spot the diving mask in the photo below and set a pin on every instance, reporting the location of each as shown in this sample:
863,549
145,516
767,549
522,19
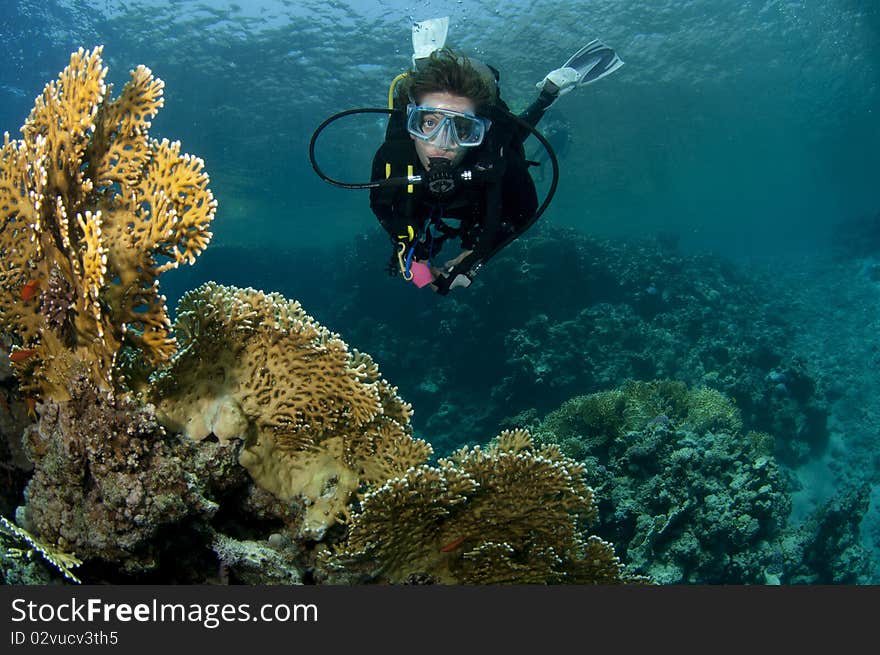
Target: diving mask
446,128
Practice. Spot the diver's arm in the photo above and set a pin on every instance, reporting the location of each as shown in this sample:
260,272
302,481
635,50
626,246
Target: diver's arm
385,212
519,197
519,204
535,112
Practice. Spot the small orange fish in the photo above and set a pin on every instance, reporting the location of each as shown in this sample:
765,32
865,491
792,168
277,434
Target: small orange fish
21,355
31,406
30,290
452,545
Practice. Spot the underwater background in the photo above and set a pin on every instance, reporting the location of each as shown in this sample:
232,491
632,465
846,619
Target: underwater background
717,226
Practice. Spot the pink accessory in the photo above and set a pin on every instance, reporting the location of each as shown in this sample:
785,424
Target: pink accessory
421,274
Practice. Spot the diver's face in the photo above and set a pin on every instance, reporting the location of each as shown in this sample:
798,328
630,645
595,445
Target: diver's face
426,149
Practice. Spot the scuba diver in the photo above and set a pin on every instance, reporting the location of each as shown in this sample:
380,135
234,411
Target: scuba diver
453,163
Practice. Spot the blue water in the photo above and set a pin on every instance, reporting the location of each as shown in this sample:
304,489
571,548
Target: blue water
747,129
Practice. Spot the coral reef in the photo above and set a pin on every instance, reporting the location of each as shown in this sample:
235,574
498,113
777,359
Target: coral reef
92,211
686,496
249,444
628,309
107,478
257,563
826,549
507,514
644,312
836,302
317,419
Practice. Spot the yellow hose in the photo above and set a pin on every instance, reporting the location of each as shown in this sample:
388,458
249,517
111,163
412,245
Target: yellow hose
391,89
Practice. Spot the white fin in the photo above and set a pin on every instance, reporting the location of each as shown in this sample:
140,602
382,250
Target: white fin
428,36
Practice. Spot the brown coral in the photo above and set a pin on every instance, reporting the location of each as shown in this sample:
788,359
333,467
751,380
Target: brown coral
317,418
108,479
91,212
506,514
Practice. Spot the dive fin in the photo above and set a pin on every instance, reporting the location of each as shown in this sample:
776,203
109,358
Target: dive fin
589,64
593,62
428,36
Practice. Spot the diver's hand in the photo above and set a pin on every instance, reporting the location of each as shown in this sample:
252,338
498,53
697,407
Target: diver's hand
436,272
421,273
438,275
560,81
452,263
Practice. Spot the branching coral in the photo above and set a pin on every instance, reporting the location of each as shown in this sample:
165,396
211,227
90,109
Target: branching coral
501,515
92,211
317,418
62,562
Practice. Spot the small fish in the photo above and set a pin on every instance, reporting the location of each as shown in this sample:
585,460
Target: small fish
31,407
21,355
30,290
452,545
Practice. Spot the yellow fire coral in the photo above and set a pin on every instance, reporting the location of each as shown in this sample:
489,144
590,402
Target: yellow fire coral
317,419
507,514
63,562
92,211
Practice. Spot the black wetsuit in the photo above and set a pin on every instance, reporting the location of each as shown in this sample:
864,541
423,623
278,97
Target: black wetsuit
484,213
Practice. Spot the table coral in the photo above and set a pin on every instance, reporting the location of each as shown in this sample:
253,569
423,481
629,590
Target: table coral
92,211
317,419
506,514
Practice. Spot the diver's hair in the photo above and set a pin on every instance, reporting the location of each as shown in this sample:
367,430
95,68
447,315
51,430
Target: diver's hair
448,71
